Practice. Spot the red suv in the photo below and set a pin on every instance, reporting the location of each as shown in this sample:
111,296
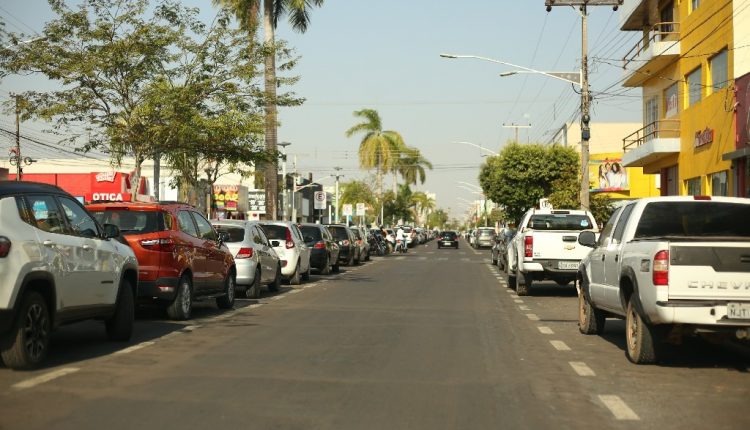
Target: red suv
180,255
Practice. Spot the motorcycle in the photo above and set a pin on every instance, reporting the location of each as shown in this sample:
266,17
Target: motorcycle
401,246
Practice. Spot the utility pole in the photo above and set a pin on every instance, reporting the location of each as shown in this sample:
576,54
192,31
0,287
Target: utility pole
337,169
284,199
515,126
294,185
585,96
18,140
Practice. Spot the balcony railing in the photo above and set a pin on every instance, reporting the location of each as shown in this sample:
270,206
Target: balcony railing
662,31
662,129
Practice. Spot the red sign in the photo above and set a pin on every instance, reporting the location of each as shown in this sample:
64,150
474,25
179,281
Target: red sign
704,137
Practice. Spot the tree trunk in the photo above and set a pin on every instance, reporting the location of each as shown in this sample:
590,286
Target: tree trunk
135,178
271,168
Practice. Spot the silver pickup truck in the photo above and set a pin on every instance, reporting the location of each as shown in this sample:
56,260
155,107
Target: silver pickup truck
670,266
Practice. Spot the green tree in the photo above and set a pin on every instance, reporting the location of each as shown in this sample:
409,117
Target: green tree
411,165
522,174
378,146
354,192
248,15
422,205
437,219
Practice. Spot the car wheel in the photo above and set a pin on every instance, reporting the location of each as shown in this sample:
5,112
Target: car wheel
641,338
28,343
295,279
590,319
494,260
326,270
276,284
182,306
227,300
351,260
336,267
439,246
253,291
120,325
522,284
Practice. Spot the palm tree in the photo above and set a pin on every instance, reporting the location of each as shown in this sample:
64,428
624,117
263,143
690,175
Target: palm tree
422,202
412,166
247,13
377,147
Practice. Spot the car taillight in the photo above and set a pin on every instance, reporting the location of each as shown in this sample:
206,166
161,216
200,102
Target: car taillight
162,245
701,197
660,272
244,253
528,246
4,246
320,245
289,241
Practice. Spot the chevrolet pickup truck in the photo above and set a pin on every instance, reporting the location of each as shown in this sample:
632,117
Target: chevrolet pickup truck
670,266
546,247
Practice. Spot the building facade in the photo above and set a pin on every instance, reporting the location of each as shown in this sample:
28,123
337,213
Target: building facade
684,64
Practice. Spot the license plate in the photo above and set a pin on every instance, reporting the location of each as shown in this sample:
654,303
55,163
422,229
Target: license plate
447,242
739,311
567,265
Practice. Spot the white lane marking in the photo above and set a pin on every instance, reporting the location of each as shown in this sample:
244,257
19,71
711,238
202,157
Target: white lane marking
41,379
618,407
135,347
254,305
581,368
466,259
532,317
400,258
190,327
524,308
276,298
443,259
518,300
294,291
560,345
545,330
422,258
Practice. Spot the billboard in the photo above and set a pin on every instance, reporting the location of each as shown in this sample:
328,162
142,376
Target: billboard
606,173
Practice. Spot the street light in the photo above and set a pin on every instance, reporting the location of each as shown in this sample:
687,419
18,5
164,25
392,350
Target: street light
470,185
564,76
477,146
283,146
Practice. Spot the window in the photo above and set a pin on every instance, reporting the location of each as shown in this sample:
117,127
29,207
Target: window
670,101
694,86
620,229
694,4
719,184
685,219
236,233
693,186
559,222
205,231
186,223
719,72
607,232
131,222
667,17
652,116
46,214
80,221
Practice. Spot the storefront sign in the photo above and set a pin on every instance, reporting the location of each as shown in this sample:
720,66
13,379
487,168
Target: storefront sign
256,202
110,197
226,197
105,176
704,137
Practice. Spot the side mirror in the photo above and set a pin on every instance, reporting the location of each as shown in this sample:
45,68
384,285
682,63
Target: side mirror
275,243
587,238
223,237
111,231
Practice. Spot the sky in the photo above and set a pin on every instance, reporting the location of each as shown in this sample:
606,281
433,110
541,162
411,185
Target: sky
384,55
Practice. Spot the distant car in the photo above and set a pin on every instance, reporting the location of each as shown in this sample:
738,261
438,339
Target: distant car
500,247
360,235
291,249
483,237
348,249
55,262
256,262
181,257
448,239
324,250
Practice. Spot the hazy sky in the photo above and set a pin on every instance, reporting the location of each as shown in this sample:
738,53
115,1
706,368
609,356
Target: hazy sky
385,55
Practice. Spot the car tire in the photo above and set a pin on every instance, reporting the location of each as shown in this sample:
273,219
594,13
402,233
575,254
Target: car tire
590,319
439,246
275,286
120,325
253,291
182,305
326,270
28,342
523,284
494,260
295,279
336,267
227,300
350,262
641,338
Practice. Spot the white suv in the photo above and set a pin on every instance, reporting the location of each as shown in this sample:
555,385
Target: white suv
57,266
287,241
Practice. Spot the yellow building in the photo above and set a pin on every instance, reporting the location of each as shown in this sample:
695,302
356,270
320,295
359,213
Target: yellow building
684,65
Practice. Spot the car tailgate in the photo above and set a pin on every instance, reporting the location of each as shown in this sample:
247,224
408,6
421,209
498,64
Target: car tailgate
709,270
557,244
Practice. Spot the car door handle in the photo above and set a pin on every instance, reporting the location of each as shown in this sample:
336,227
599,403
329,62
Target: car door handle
48,244
603,257
617,258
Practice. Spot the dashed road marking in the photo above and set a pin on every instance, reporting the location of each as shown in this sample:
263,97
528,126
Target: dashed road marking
581,368
401,258
191,327
443,259
560,345
618,407
466,259
422,258
524,307
276,298
294,291
135,347
518,300
545,330
41,379
532,317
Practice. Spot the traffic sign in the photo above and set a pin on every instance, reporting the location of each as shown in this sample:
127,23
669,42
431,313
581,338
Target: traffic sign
320,200
347,210
361,209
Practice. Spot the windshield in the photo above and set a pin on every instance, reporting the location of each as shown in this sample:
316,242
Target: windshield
559,222
274,232
339,233
236,232
131,222
311,232
694,219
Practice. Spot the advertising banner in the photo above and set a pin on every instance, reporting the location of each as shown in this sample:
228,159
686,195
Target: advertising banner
226,197
606,173
256,202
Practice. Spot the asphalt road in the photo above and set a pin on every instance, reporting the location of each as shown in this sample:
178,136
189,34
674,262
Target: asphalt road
432,339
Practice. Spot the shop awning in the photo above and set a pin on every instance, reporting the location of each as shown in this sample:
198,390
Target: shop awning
744,152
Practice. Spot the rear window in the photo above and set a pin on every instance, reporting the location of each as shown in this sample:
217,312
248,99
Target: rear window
236,233
448,235
132,222
559,222
312,232
694,219
274,232
486,232
339,233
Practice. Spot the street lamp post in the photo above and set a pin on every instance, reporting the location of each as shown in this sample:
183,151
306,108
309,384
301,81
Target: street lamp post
482,148
283,146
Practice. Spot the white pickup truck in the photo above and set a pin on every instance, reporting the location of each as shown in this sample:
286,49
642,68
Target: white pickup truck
670,266
546,247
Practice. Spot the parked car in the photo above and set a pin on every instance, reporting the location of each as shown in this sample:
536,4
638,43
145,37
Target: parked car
181,257
448,238
500,247
348,250
55,261
324,254
360,237
484,237
255,260
291,249
670,266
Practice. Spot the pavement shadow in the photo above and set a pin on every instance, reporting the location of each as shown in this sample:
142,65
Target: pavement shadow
551,289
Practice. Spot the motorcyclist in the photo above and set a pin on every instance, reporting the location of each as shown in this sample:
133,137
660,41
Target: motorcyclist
401,238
